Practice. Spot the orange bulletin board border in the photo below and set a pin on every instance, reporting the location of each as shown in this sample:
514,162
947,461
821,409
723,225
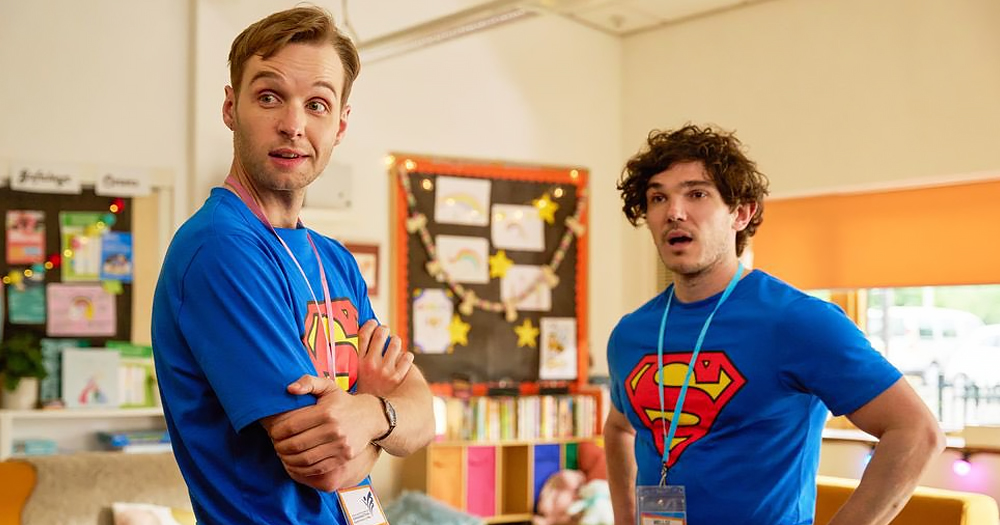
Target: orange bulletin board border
400,256
930,236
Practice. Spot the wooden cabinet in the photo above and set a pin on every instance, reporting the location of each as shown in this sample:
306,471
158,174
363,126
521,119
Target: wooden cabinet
498,481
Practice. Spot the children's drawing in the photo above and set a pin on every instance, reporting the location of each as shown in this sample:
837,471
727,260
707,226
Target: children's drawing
464,259
517,228
462,201
557,357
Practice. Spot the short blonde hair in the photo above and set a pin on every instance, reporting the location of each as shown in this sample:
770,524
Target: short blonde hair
308,24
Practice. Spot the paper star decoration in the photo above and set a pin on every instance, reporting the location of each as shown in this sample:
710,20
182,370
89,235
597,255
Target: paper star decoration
499,264
546,208
526,334
459,331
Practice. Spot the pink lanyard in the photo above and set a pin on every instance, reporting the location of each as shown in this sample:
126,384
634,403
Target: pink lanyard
247,199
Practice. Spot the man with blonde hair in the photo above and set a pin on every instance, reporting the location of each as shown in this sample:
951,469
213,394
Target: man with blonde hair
279,387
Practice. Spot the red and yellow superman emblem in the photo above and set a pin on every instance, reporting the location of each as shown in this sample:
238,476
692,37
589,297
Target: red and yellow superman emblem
714,382
345,341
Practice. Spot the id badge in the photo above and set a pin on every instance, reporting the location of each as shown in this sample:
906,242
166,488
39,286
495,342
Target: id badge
361,506
660,505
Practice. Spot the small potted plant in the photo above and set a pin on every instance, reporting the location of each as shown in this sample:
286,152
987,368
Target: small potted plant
21,367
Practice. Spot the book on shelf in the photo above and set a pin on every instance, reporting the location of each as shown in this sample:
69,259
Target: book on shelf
525,418
34,447
135,439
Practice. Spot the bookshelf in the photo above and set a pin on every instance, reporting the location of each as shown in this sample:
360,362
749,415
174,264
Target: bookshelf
498,481
494,453
73,430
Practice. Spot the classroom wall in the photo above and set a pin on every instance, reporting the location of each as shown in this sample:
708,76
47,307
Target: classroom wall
98,83
827,95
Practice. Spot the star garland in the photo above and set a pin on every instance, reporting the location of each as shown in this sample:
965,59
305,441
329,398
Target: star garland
417,223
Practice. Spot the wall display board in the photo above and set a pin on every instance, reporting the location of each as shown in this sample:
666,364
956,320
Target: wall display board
67,265
489,269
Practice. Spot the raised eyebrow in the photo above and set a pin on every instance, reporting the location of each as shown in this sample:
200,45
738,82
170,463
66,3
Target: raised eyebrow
264,75
327,85
271,75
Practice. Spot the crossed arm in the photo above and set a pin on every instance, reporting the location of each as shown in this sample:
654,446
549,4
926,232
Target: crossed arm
328,446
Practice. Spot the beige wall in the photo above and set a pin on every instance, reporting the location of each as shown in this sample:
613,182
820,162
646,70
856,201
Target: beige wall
96,82
828,95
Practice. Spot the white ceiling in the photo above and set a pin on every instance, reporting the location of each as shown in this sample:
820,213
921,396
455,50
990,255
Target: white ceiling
385,28
376,18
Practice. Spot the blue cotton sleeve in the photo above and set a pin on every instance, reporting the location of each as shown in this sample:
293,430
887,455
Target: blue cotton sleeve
617,386
236,316
827,355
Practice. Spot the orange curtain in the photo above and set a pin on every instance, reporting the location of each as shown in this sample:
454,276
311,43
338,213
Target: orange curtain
944,235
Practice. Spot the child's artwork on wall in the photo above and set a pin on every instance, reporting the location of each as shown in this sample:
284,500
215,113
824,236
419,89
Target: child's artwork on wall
90,378
25,236
366,256
432,311
558,348
80,310
527,281
464,259
26,303
517,228
462,201
116,256
81,244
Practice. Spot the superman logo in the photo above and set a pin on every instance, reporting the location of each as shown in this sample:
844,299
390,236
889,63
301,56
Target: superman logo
345,341
714,382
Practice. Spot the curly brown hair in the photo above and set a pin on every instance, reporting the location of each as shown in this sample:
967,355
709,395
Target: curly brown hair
307,25
735,175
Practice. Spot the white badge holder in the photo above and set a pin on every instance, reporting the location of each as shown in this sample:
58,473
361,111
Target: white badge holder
660,505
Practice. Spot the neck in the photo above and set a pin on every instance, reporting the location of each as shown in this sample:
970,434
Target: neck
280,207
689,288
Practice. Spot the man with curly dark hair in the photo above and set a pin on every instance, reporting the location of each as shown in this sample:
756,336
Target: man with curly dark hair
721,384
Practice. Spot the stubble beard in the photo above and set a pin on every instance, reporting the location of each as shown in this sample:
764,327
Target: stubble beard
263,176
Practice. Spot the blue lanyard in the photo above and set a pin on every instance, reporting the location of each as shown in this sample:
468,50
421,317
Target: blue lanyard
669,438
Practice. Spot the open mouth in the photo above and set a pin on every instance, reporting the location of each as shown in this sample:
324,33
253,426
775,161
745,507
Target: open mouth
678,239
286,155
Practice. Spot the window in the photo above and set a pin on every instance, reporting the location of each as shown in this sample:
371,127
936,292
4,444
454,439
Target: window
945,339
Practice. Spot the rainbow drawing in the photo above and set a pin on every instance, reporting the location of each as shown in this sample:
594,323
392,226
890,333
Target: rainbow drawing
466,255
465,200
81,308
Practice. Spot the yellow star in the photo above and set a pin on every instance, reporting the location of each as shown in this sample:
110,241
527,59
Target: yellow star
499,264
526,334
459,331
546,208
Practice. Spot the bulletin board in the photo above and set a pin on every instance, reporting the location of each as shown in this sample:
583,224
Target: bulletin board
25,270
489,270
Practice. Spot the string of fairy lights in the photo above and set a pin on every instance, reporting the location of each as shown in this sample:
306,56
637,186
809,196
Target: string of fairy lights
416,222
36,272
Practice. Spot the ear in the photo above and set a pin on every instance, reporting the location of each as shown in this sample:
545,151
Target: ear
229,108
743,214
342,128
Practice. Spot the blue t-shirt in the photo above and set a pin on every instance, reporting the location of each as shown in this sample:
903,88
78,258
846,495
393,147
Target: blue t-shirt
233,324
773,361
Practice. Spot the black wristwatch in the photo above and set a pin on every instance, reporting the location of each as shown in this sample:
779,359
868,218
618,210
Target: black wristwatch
390,416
